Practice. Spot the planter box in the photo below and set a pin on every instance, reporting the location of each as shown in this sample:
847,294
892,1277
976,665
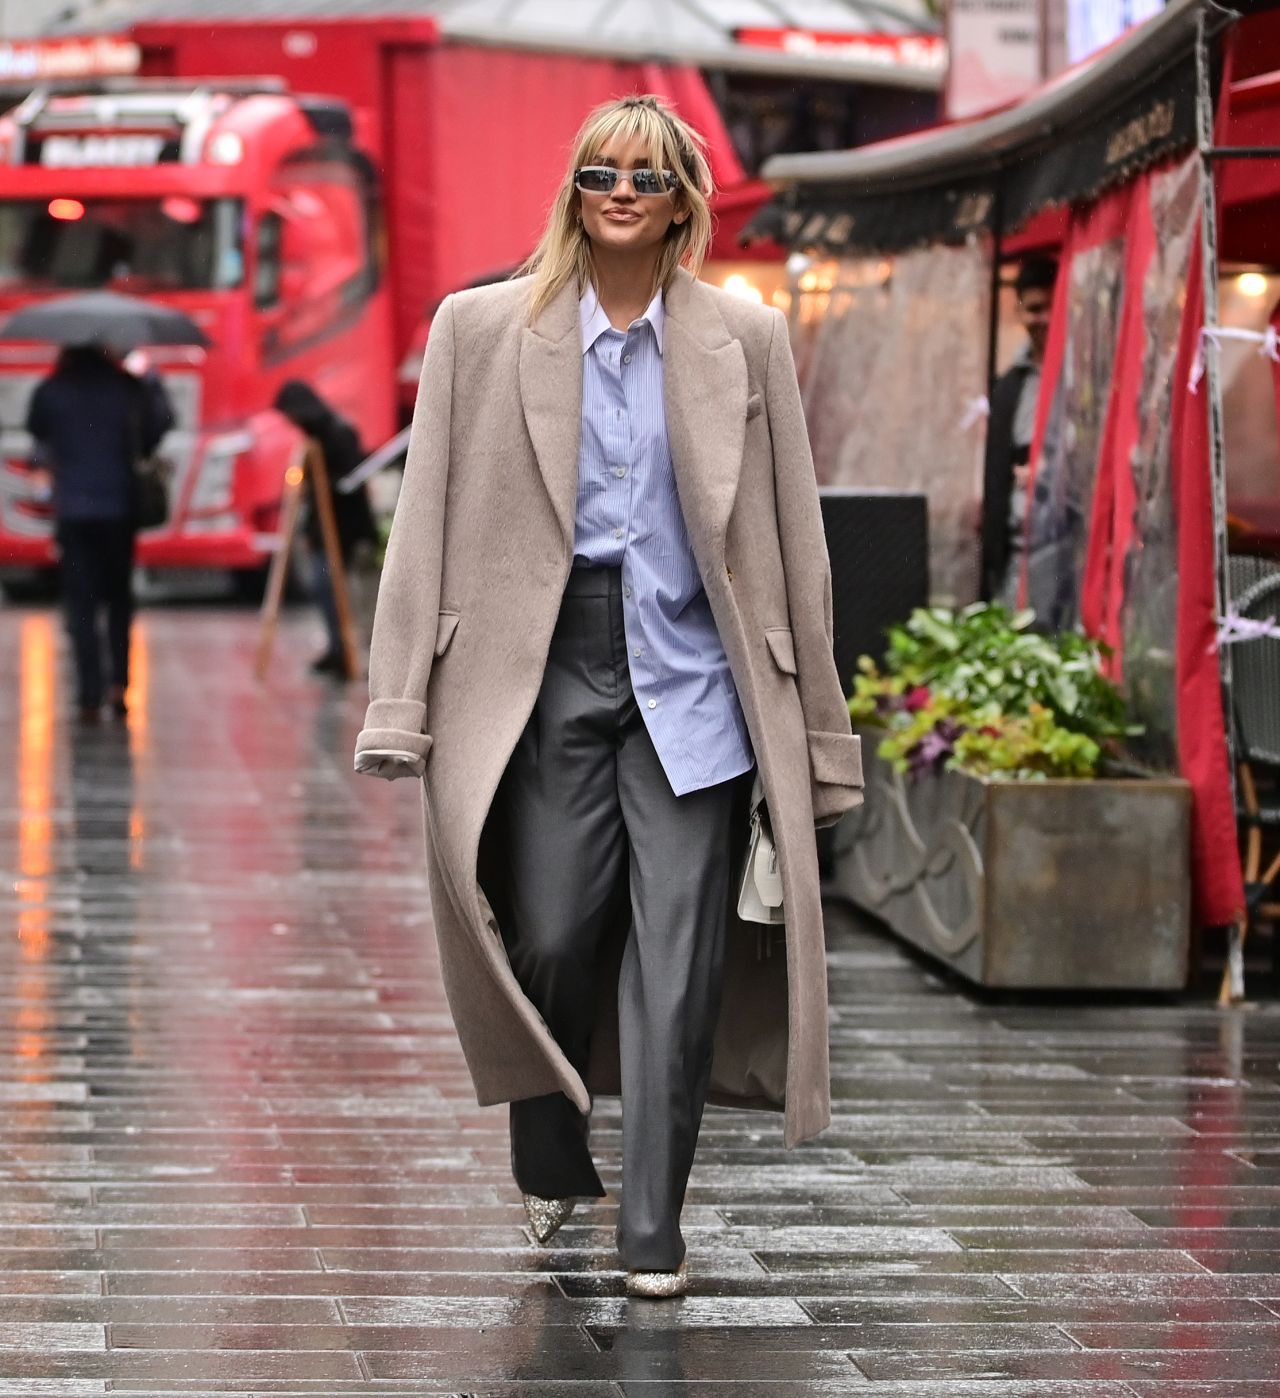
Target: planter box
1056,885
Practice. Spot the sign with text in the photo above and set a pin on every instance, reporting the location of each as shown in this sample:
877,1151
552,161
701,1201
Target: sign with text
120,152
997,53
48,59
926,52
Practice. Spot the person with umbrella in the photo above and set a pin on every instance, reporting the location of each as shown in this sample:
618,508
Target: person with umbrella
92,421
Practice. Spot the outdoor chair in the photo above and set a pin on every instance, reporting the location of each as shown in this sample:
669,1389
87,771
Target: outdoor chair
1255,671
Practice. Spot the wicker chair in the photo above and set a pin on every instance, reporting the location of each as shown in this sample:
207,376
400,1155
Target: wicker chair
1255,670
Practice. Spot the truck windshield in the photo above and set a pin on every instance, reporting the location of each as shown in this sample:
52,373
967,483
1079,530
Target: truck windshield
175,243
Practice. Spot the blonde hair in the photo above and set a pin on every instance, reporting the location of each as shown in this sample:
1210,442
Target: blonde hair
563,253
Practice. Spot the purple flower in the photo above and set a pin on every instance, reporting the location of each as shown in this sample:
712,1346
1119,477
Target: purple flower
933,750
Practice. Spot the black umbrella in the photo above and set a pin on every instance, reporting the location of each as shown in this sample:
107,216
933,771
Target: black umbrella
103,318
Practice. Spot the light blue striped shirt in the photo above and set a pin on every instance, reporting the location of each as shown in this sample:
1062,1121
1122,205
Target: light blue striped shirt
629,517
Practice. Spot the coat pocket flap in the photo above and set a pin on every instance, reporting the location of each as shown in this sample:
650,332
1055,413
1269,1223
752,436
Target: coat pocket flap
836,758
782,648
445,627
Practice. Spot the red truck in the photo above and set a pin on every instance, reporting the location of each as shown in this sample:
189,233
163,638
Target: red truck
310,236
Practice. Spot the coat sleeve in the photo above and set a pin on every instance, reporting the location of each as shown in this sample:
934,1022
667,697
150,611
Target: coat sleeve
392,742
835,761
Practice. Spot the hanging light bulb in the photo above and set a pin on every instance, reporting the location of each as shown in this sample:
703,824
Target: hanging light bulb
738,285
1252,284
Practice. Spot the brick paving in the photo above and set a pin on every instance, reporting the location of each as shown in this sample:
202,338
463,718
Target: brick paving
238,1152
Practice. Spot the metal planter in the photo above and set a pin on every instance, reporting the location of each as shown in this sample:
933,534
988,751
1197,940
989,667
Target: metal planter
1055,885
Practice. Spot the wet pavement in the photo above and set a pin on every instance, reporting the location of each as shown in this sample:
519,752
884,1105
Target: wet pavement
239,1154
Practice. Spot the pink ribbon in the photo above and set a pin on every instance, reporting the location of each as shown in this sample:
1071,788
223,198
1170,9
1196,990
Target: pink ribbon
1268,343
1233,628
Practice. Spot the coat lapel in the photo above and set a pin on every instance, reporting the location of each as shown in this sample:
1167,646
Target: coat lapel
551,395
705,387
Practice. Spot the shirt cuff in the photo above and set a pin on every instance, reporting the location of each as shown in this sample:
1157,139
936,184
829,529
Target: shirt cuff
389,763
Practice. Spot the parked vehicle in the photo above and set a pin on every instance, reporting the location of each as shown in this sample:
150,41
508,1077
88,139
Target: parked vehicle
310,237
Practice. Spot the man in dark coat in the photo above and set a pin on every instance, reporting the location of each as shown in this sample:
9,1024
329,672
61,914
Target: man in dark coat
92,421
340,447
1009,433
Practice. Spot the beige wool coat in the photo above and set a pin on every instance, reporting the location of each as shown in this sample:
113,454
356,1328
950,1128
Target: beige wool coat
480,551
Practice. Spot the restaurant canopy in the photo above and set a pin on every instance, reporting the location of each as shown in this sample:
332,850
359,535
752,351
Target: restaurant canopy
1126,528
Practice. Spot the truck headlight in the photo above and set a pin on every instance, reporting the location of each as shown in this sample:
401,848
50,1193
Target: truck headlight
215,482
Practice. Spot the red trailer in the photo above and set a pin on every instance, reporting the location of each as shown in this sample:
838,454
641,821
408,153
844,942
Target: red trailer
312,237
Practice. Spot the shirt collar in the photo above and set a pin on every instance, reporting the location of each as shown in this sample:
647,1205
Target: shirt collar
594,321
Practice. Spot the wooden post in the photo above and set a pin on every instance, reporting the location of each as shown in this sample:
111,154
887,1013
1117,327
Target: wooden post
290,510
322,499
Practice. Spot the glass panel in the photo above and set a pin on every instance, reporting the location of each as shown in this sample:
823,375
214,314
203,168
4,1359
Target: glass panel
892,356
133,245
1068,466
1149,609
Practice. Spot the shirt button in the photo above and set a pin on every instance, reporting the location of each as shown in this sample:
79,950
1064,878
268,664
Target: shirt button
626,359
639,650
620,472
653,703
617,533
626,592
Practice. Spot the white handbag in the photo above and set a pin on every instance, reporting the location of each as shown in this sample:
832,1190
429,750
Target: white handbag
760,893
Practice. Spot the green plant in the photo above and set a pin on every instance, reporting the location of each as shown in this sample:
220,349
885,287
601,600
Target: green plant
989,655
980,691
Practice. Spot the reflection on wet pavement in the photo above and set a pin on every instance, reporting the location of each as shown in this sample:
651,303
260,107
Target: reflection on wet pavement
239,1152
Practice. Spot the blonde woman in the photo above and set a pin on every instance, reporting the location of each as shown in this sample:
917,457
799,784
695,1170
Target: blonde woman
606,602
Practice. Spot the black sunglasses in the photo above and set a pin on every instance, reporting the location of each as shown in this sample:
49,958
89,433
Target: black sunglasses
602,179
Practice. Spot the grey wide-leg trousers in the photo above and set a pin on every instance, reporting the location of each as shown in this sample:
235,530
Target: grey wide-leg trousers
595,838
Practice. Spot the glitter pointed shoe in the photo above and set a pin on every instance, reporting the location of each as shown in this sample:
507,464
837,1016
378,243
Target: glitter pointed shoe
659,1286
546,1215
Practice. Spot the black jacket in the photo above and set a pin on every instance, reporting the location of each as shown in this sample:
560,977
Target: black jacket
997,487
340,445
93,420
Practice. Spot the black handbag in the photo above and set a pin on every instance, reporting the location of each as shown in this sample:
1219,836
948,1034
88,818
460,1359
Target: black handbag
151,477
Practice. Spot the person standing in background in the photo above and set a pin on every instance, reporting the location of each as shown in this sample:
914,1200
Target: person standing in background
1009,434
93,421
339,446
